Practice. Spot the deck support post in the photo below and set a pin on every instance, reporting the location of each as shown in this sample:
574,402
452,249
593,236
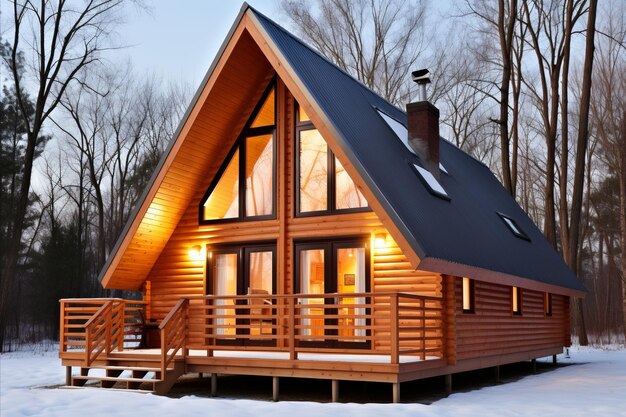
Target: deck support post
335,391
200,375
213,385
275,388
448,384
497,373
68,375
534,365
396,392
553,359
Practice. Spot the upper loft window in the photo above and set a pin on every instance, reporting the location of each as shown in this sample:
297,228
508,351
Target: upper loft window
514,227
322,183
245,186
433,185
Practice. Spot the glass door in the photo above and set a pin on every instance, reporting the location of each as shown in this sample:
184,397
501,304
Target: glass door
335,267
243,270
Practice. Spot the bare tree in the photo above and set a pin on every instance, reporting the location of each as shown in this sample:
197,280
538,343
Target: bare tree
376,41
608,116
64,39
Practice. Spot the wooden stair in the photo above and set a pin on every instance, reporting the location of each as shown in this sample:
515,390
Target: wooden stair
132,372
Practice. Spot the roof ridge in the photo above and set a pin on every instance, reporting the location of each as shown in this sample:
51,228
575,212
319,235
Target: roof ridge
301,42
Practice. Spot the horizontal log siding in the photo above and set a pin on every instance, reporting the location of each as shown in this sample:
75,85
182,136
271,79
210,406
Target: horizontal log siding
494,330
175,275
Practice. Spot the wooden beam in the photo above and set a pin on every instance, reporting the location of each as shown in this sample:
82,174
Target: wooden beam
275,388
497,373
213,385
335,391
448,384
396,392
68,375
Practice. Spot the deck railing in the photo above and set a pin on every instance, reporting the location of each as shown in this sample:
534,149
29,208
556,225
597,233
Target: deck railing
173,334
393,324
119,325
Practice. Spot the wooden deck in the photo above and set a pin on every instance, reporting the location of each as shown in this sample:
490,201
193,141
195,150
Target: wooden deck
390,338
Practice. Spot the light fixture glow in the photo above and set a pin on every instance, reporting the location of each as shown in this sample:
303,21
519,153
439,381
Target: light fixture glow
195,253
381,240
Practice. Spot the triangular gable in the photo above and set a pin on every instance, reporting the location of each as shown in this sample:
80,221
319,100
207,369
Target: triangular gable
345,112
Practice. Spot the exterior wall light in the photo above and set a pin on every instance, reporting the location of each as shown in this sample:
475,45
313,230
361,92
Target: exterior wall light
380,240
195,253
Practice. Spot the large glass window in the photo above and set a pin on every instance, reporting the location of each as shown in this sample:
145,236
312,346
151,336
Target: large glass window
245,184
338,267
323,185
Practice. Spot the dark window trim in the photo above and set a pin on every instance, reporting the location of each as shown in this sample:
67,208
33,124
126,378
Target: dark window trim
547,304
241,249
519,301
247,132
521,234
472,296
330,246
331,181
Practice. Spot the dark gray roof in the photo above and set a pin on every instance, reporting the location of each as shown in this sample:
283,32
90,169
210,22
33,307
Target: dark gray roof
467,229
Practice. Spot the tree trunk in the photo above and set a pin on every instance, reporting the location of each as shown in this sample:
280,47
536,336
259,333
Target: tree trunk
579,170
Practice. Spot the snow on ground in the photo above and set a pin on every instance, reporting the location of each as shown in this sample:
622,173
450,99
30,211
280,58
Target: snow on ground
595,385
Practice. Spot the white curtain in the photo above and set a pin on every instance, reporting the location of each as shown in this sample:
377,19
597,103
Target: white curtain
225,273
305,287
359,283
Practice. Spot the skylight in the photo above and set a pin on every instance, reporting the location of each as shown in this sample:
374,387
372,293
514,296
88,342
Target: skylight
431,182
403,134
398,128
513,227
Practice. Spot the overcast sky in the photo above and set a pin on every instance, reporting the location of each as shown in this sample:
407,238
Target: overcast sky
178,39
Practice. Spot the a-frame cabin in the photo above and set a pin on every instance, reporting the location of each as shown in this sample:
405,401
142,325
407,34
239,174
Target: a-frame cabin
298,225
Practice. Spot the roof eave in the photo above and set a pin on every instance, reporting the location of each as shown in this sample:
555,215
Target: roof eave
487,275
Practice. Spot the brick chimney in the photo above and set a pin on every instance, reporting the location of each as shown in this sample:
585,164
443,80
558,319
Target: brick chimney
423,126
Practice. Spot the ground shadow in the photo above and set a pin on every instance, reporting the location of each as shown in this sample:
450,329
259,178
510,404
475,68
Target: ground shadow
425,391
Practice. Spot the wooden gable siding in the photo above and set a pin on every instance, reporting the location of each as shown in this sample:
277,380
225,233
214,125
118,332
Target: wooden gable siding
494,330
216,119
175,274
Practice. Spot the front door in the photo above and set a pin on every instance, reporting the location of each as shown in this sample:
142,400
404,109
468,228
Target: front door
332,269
241,270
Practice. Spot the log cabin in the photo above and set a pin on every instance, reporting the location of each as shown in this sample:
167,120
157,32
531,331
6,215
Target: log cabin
299,225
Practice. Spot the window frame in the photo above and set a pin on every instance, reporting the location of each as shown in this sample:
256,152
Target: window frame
472,296
519,310
519,233
547,304
331,184
240,145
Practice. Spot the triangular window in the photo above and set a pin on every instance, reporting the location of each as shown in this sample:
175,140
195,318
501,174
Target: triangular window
266,114
245,184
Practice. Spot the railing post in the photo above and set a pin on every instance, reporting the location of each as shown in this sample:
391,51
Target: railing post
62,346
108,328
186,327
121,326
163,354
394,328
291,328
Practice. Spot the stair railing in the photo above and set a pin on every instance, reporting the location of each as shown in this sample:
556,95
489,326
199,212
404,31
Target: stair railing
98,333
173,331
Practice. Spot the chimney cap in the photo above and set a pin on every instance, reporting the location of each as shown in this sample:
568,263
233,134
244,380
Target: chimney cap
421,76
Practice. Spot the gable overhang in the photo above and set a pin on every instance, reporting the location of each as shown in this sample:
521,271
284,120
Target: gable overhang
164,201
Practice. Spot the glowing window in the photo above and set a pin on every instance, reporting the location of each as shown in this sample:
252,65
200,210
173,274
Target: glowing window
547,303
468,295
516,297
